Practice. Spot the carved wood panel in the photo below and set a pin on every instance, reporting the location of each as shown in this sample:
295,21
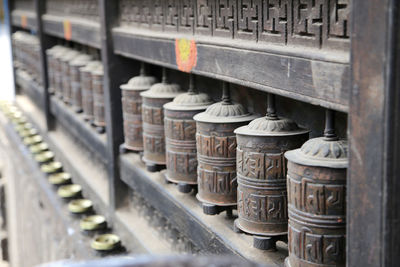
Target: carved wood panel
313,23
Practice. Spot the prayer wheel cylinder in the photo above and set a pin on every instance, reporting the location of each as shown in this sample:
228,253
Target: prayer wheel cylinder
132,109
58,70
52,65
98,97
261,173
180,135
66,76
216,150
316,183
153,120
76,90
87,90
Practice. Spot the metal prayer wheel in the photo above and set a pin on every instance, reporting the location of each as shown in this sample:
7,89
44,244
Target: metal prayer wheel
153,121
52,64
132,109
87,90
180,136
57,70
76,92
216,153
66,76
261,175
99,116
316,183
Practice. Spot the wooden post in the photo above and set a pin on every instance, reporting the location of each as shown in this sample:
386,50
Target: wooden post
373,228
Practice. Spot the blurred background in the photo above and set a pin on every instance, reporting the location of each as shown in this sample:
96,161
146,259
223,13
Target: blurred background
7,87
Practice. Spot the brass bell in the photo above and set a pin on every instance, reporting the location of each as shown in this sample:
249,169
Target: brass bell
44,157
316,184
106,242
52,167
38,148
61,178
28,133
93,223
23,127
132,108
80,206
70,191
32,140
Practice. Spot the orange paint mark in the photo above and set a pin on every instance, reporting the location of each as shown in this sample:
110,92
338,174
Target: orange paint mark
67,30
24,21
186,54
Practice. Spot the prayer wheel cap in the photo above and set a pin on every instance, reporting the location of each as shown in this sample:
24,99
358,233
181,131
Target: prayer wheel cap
69,55
68,191
55,49
52,167
58,54
61,178
80,205
321,152
80,60
99,71
139,83
44,157
38,148
223,112
32,140
106,242
93,222
91,66
162,90
189,101
267,126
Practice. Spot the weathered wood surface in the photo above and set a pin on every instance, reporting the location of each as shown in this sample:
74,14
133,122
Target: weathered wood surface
19,17
82,31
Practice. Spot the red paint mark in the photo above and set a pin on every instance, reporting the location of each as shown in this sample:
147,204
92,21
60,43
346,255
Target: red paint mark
186,54
24,21
67,30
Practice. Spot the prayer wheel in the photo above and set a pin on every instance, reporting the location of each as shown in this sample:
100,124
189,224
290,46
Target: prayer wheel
76,90
52,65
261,175
57,69
216,153
66,76
99,115
153,121
316,184
132,109
87,90
180,136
